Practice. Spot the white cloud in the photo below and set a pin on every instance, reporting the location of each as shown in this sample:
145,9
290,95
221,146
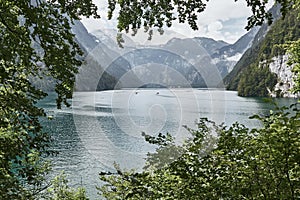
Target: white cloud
215,26
224,10
212,22
222,20
214,29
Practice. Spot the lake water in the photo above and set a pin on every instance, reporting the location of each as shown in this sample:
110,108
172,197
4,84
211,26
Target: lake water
105,127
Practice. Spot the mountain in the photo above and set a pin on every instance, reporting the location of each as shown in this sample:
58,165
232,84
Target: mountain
223,55
87,41
189,62
226,57
90,73
263,68
88,77
232,79
210,45
92,76
105,66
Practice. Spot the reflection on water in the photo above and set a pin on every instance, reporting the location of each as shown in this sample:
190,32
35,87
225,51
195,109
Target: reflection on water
105,127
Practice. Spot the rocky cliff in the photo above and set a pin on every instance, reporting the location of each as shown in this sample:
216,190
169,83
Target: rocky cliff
285,77
263,69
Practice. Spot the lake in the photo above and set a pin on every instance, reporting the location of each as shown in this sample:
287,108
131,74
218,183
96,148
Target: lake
102,128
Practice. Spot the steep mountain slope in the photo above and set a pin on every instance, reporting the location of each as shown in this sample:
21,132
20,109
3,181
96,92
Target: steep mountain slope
232,79
252,75
92,77
90,72
210,45
87,41
226,57
223,55
189,62
114,66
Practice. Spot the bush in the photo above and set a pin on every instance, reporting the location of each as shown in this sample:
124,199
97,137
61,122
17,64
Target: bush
237,163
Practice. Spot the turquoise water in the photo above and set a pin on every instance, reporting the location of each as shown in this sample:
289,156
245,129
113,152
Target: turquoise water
105,127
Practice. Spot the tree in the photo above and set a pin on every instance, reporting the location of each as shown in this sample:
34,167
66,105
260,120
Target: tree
260,163
36,41
136,14
293,48
239,163
294,51
59,190
255,81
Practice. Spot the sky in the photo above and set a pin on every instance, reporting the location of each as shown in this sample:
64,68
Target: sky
222,20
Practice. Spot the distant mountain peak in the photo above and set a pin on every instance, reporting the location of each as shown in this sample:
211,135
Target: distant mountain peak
216,53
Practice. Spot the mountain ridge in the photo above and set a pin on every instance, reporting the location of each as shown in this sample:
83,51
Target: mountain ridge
207,49
260,70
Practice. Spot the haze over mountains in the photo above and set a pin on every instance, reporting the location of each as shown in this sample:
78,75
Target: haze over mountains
190,62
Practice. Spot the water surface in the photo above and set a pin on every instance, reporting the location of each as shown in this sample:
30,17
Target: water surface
105,127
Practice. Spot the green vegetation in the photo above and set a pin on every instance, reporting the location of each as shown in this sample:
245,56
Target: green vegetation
36,41
219,162
255,81
59,190
251,78
294,50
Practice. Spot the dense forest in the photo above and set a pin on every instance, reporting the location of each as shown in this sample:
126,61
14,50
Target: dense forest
252,76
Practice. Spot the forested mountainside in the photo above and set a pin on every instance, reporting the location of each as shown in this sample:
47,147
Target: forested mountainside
92,77
264,65
87,43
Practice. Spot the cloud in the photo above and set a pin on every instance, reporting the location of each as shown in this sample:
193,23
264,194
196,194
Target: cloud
215,26
223,10
220,16
222,20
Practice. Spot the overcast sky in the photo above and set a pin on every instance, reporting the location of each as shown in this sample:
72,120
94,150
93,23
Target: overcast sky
222,20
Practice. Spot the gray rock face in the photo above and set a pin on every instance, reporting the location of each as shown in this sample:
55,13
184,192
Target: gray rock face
285,76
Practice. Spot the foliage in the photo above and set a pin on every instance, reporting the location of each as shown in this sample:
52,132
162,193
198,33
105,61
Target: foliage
255,81
237,163
149,14
294,50
136,14
283,31
60,190
36,41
